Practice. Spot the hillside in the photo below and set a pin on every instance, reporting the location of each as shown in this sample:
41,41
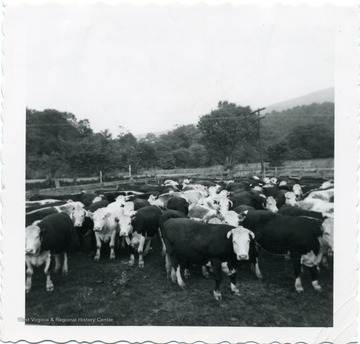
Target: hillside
319,97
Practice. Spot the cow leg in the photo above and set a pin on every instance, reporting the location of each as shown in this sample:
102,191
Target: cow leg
172,260
232,277
296,260
216,265
147,246
176,271
187,274
122,246
163,249
167,266
173,275
57,263
141,251
180,281
65,264
205,271
98,247
132,256
49,283
257,269
29,273
112,244
314,274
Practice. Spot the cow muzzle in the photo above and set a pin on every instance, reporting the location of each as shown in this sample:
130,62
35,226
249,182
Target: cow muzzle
30,251
242,257
123,234
97,229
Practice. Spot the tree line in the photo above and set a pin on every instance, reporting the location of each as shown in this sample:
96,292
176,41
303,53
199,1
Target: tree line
58,144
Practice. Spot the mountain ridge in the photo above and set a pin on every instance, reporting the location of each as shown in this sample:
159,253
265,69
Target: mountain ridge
319,97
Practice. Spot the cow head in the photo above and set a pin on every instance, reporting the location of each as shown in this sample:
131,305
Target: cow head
273,180
258,188
32,239
121,199
241,242
100,218
242,215
78,216
126,224
297,191
231,218
129,208
271,204
290,198
266,180
98,199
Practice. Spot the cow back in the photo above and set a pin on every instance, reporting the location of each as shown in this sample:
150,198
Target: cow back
57,232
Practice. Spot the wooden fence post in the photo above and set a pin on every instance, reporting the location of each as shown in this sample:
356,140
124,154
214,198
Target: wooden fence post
101,179
130,176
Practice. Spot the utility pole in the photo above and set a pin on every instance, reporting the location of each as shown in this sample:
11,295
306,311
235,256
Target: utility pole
260,144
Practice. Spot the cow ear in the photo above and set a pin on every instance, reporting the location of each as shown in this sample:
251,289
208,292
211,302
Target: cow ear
229,234
252,234
90,214
107,215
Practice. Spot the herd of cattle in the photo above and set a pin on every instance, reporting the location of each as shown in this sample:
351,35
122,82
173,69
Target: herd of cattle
211,223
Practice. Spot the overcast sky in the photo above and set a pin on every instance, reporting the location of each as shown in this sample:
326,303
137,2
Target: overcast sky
148,68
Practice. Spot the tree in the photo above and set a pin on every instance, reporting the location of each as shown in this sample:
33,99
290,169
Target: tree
182,157
318,140
226,129
146,154
276,153
199,156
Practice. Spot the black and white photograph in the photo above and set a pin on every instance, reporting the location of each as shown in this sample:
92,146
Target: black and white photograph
181,166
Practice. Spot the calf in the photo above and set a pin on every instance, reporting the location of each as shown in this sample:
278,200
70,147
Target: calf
190,241
106,226
51,235
139,230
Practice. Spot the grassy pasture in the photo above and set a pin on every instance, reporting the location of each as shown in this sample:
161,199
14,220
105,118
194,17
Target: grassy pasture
132,296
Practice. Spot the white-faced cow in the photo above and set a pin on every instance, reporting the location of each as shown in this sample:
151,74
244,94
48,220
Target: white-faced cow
189,241
106,227
52,235
138,231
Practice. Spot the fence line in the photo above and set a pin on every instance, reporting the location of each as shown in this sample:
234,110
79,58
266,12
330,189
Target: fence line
320,168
